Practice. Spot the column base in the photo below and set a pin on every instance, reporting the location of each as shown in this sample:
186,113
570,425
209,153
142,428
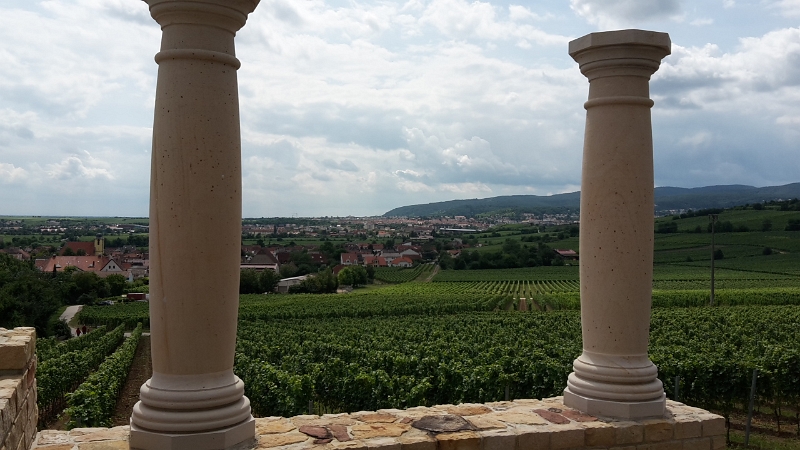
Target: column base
229,438
616,409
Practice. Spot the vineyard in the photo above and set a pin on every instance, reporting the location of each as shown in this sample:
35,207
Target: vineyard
75,370
401,275
477,336
366,364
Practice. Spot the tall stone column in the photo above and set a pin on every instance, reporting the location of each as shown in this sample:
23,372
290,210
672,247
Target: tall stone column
193,400
614,376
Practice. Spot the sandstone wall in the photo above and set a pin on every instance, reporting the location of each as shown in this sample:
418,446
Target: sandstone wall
516,425
18,412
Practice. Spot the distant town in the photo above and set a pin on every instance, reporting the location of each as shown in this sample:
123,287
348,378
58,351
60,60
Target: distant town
290,247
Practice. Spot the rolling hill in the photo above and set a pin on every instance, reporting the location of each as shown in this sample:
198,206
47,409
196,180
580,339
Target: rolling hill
666,198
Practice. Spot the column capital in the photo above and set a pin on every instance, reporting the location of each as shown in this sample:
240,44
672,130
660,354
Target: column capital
230,15
620,53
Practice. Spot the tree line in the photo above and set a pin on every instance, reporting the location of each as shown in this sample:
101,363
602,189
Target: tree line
29,297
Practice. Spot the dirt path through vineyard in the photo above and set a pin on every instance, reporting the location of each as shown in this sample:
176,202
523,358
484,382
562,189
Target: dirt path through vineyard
141,370
433,274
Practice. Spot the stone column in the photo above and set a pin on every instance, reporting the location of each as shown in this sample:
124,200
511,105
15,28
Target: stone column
614,376
193,400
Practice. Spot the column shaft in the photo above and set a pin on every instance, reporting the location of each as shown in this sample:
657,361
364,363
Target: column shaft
193,399
614,376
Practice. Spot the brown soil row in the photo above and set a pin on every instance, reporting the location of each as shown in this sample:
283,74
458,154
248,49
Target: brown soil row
141,371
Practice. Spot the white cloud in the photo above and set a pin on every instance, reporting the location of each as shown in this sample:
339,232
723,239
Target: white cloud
789,8
614,14
10,174
788,120
466,189
74,168
519,13
358,107
763,74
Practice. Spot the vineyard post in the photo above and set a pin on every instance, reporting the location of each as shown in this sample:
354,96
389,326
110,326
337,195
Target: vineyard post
614,376
750,408
193,399
713,219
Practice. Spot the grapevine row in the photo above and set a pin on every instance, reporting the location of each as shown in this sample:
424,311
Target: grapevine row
57,376
372,363
93,403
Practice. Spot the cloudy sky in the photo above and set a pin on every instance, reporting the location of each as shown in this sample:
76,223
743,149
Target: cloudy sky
357,107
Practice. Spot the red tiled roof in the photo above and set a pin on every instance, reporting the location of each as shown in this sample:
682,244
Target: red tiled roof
87,247
82,263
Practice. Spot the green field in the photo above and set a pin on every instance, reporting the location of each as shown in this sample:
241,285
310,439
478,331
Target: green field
470,335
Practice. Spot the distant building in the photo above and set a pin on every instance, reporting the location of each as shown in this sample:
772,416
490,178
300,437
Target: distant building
401,262
101,265
349,259
17,253
567,254
261,261
286,283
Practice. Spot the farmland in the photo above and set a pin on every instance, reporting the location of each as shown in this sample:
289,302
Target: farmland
429,337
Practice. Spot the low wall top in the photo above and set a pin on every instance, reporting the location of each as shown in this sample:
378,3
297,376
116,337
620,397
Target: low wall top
17,347
513,425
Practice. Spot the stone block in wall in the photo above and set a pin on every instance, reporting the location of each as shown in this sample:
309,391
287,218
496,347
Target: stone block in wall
688,427
629,433
565,436
713,426
532,437
416,441
462,440
657,430
498,439
697,444
14,437
599,434
17,347
6,419
383,444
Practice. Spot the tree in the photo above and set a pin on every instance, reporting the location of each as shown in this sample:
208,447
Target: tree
288,270
268,281
345,277
360,276
27,297
370,274
68,252
445,261
83,287
248,282
116,284
321,283
327,281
